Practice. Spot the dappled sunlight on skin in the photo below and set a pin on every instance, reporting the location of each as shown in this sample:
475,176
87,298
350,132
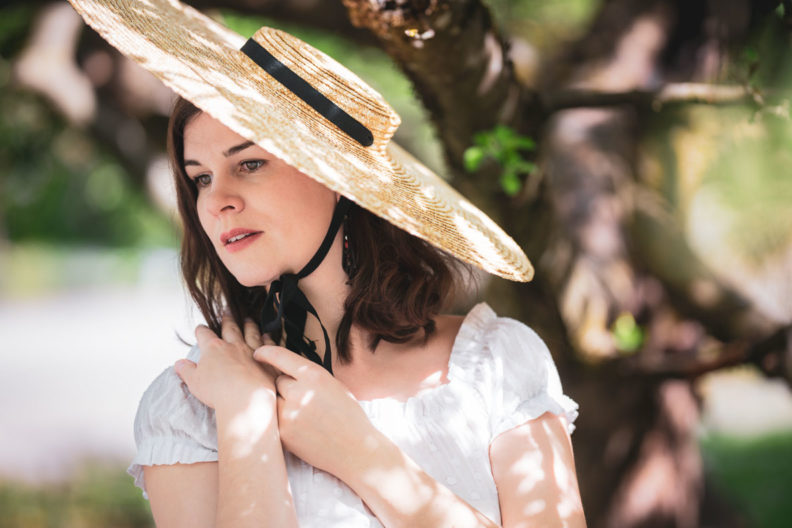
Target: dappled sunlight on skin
249,425
529,464
413,493
305,400
392,481
541,478
565,477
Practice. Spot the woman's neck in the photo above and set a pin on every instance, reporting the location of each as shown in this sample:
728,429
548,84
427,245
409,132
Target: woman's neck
326,289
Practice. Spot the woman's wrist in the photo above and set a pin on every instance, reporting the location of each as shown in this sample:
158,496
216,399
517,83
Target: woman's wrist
247,417
246,389
400,493
252,478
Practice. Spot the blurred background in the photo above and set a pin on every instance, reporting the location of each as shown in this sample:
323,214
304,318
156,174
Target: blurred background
641,152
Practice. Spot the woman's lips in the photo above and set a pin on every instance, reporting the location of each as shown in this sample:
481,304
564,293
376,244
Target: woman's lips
242,243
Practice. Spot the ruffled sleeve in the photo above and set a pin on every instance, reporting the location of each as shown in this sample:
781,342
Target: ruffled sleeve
525,379
172,426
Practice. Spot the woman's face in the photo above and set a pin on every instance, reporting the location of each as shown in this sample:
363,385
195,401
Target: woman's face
264,217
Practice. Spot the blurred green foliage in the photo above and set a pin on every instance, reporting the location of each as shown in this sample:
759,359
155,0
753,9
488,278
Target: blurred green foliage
545,24
100,496
752,177
755,472
627,334
508,149
31,269
14,25
57,184
725,171
752,174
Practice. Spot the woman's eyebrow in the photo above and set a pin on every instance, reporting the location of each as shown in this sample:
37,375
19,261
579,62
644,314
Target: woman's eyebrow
227,153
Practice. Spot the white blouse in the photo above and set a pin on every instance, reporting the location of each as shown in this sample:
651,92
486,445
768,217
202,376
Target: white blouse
500,374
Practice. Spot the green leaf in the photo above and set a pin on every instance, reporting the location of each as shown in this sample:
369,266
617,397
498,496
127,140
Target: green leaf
509,158
524,142
525,167
473,158
481,139
504,145
510,183
626,333
505,136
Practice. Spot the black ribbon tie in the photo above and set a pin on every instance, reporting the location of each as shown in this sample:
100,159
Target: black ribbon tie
287,307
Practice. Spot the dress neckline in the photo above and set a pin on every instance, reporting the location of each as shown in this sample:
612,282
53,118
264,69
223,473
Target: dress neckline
471,325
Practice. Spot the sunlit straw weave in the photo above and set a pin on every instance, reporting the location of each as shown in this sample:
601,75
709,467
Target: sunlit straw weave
200,59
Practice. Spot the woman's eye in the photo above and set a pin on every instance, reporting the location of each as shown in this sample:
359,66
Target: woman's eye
252,165
202,180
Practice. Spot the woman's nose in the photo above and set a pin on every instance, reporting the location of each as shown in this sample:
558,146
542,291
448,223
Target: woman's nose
224,197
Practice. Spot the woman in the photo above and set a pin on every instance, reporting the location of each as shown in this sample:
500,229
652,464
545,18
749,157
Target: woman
328,389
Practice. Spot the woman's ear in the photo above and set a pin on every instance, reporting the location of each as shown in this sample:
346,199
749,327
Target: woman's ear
337,196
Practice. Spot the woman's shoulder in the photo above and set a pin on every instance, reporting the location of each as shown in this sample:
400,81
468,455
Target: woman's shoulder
484,336
168,408
511,364
507,348
172,426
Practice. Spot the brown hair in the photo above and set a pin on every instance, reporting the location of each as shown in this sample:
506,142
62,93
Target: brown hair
401,283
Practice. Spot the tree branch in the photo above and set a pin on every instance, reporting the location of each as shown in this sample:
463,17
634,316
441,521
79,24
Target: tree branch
711,94
771,355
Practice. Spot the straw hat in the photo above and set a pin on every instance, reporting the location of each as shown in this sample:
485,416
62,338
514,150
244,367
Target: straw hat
339,134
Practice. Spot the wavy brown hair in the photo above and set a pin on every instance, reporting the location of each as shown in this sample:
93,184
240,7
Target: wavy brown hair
400,285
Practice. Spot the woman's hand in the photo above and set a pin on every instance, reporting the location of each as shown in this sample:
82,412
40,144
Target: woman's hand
318,418
227,374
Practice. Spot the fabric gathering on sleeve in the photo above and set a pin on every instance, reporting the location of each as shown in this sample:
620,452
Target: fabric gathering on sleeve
526,380
172,426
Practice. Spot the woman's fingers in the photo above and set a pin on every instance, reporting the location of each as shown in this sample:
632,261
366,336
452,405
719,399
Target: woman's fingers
204,335
229,330
252,334
266,340
283,383
283,359
185,368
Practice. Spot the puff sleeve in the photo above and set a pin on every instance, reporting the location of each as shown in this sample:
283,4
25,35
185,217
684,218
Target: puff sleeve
525,379
172,426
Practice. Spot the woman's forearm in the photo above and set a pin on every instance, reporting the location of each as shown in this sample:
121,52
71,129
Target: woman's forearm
401,494
253,486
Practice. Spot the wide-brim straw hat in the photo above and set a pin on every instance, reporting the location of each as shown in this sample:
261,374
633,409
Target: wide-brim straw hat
202,61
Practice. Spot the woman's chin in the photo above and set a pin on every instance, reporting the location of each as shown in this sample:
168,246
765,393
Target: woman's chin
251,276
252,281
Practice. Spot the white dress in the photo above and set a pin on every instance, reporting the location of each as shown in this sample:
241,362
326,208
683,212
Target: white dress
500,374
